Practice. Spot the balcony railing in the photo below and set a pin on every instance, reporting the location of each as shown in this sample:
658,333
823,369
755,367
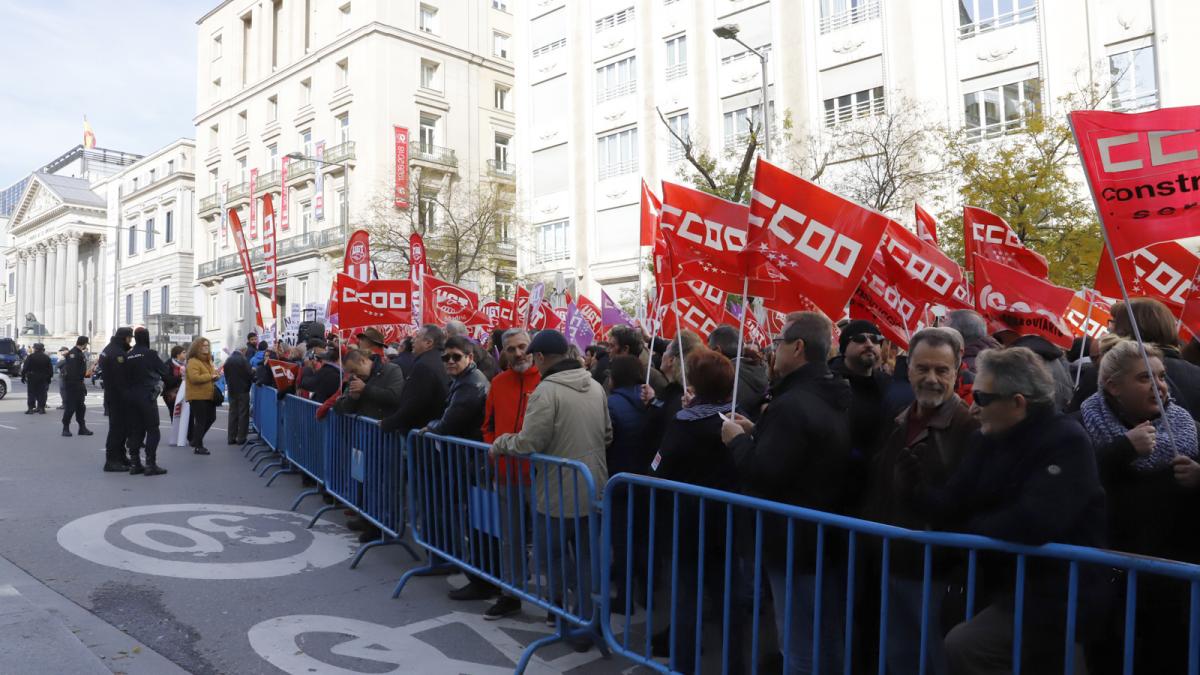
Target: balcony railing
239,191
435,154
858,14
676,71
297,246
210,203
1144,100
616,91
267,181
300,167
618,168
841,114
341,152
1020,15
503,169
506,247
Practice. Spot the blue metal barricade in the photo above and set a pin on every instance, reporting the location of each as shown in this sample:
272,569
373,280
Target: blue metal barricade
482,516
684,543
266,402
302,437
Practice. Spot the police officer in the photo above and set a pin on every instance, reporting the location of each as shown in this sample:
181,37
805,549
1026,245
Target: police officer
143,374
74,390
111,361
36,372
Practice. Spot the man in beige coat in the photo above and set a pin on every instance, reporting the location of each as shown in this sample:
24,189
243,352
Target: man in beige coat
567,417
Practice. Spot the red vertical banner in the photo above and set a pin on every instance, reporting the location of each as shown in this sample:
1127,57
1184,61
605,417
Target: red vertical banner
417,265
269,250
253,205
235,225
319,184
401,189
223,191
283,194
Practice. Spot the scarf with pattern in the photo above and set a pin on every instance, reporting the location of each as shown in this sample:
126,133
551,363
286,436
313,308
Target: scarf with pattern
1103,425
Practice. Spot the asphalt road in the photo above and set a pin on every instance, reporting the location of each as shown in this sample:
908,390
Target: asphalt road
204,571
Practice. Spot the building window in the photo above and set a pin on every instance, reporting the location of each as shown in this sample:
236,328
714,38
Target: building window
145,305
550,241
216,87
241,124
216,47
306,216
426,212
678,124
170,167
428,19
241,166
306,142
306,91
164,300
427,134
613,20
272,108
502,94
276,19
617,153
214,137
149,234
616,79
1135,86
429,75
737,124
153,176
272,157
344,14
501,5
239,308
998,110
549,47
853,106
307,24
341,74
214,181
981,16
343,124
169,227
247,49
836,14
129,309
500,45
501,151
340,198
133,240
677,57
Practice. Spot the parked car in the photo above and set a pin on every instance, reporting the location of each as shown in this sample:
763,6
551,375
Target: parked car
5,385
10,356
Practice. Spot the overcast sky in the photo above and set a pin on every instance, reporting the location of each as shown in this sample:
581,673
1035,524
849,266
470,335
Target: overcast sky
129,65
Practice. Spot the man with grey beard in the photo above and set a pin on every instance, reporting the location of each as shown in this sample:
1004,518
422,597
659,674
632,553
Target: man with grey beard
936,430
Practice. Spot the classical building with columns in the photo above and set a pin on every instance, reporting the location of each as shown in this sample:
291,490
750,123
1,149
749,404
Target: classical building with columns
58,250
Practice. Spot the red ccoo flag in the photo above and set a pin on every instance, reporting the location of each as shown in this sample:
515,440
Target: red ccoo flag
926,225
987,235
1015,300
1144,172
651,211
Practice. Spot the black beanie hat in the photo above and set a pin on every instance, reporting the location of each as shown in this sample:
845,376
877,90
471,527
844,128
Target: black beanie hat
855,327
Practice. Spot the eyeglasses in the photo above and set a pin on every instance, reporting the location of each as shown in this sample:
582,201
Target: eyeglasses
447,358
782,340
984,398
862,338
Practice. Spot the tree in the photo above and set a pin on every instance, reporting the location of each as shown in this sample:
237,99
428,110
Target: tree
1031,177
464,231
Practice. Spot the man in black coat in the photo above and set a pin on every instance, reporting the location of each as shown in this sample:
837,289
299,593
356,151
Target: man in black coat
36,373
324,378
798,453
74,390
115,385
374,388
239,377
1030,477
143,374
425,393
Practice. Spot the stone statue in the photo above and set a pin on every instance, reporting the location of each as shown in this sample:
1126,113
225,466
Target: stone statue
32,326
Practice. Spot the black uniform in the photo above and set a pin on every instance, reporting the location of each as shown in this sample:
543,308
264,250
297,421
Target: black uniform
73,388
143,375
115,384
37,371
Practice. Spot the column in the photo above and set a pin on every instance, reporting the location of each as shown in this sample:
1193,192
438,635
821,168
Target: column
52,284
71,297
19,313
101,321
27,291
39,283
61,289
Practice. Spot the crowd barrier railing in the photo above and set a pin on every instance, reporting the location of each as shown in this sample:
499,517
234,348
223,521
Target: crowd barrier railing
482,514
255,423
822,567
365,471
302,437
264,412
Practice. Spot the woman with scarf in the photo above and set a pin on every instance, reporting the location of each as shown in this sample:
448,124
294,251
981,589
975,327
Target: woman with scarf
1147,462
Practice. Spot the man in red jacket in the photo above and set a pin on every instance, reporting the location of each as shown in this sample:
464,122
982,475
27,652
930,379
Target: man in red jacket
504,413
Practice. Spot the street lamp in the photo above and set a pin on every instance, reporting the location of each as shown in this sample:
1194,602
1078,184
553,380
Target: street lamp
345,187
729,31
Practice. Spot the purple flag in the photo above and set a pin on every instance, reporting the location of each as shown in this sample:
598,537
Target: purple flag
734,308
611,313
579,331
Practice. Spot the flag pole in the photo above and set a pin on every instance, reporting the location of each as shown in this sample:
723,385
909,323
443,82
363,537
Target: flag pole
679,333
1112,257
653,336
1083,345
737,365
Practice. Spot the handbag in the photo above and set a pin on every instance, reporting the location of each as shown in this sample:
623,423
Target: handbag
218,396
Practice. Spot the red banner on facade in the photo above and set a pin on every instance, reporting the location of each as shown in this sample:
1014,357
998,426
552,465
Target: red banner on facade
269,251
1144,171
253,204
401,189
370,303
283,194
239,238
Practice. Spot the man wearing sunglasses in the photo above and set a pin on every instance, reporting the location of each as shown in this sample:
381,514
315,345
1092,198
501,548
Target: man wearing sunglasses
1030,478
798,453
